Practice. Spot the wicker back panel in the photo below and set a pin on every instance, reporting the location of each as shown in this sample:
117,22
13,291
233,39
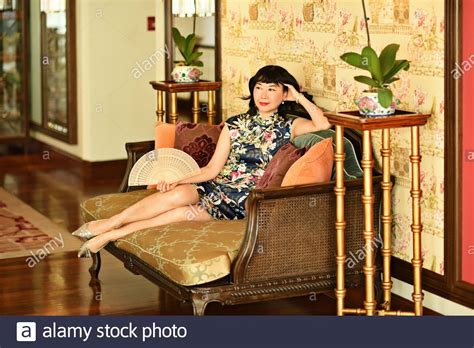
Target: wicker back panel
297,236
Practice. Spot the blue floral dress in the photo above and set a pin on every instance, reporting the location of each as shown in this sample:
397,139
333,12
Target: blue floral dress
254,141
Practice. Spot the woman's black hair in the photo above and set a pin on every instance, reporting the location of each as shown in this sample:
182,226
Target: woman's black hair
271,74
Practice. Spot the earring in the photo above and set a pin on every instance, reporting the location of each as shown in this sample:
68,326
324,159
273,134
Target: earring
283,102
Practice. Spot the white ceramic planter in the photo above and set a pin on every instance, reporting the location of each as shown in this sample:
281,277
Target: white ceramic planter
369,105
183,73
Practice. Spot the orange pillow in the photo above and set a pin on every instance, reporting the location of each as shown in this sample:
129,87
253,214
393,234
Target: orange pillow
313,167
164,135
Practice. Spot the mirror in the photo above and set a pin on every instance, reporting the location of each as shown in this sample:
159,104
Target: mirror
53,68
201,17
13,122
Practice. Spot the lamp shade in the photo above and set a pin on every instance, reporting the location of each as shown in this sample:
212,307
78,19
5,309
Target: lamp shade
7,5
189,8
50,6
205,8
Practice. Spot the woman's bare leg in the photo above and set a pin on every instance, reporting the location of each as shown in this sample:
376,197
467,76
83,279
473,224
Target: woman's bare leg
188,213
149,207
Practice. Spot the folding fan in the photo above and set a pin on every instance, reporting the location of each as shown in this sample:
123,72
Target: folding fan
167,164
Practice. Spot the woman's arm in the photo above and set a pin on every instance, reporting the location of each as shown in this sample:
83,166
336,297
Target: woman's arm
212,169
301,125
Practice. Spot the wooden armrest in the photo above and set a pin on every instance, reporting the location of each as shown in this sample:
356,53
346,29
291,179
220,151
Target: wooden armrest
291,231
134,152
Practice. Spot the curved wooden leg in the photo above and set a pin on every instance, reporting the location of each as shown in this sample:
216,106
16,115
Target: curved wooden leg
199,306
95,268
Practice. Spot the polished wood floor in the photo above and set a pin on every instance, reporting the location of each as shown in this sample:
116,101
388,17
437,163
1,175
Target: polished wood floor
59,285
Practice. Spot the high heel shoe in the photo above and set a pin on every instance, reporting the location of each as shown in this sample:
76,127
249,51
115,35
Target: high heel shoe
85,251
83,232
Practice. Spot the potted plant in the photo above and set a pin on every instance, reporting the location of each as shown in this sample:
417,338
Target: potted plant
186,70
378,100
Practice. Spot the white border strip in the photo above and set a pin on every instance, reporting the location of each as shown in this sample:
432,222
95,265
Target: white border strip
431,301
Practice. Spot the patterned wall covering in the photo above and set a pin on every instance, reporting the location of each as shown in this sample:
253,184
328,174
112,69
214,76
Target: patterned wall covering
308,36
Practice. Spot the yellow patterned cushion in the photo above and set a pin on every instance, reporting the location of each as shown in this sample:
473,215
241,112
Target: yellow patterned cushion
189,252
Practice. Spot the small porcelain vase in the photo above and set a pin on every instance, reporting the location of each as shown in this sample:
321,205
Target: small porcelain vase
183,73
369,106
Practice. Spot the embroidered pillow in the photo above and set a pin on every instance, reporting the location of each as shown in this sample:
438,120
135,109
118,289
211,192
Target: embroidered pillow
198,140
279,165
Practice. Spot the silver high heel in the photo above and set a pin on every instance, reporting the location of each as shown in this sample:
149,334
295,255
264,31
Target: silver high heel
83,232
85,251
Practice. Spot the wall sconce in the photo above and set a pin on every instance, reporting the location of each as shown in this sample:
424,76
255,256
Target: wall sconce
191,8
8,5
52,6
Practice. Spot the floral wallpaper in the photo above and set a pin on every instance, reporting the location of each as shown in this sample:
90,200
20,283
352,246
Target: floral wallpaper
308,36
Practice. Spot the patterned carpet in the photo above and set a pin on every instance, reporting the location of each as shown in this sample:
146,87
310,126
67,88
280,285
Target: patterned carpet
24,232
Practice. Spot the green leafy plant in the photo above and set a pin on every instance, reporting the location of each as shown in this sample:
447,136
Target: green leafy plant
12,78
186,46
383,68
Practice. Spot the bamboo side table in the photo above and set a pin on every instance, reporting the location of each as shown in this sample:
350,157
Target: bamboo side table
173,88
353,120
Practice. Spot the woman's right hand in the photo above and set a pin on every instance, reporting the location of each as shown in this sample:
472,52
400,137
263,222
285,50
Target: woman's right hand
163,186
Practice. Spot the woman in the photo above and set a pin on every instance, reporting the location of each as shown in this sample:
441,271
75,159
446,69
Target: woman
245,146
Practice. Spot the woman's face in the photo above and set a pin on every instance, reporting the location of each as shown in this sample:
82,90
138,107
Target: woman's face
268,97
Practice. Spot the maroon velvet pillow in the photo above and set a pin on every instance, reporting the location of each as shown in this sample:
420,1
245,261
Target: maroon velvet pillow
279,165
198,140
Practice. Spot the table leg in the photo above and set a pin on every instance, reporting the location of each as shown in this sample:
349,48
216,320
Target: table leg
368,202
386,218
211,113
416,226
174,108
340,190
196,109
159,106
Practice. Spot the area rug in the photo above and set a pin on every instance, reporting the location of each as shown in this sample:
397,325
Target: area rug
24,232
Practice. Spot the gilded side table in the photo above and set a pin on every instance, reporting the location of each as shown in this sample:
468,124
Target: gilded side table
173,88
353,120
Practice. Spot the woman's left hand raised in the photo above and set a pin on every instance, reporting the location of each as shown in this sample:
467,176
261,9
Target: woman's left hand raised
293,94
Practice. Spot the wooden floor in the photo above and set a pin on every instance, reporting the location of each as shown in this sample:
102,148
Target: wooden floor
59,285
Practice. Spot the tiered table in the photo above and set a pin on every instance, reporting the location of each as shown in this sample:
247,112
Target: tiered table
353,120
173,88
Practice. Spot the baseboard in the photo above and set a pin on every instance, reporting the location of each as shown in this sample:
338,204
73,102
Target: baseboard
432,282
434,302
114,169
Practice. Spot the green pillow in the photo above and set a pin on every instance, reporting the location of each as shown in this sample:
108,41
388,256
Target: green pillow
352,169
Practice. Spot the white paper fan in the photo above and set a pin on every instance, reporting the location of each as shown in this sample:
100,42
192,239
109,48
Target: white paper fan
166,164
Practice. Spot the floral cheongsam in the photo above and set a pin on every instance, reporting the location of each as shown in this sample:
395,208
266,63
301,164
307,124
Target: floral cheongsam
254,141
